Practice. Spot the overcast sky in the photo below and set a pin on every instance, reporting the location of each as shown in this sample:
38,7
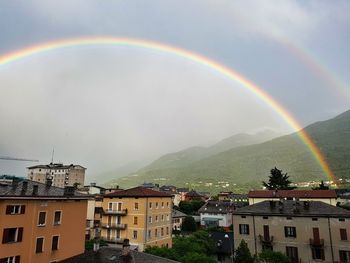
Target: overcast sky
105,107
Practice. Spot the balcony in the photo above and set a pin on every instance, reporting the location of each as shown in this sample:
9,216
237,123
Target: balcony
113,240
114,226
122,212
266,240
318,243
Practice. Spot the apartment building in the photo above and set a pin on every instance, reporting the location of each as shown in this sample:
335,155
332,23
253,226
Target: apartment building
306,231
216,214
60,174
326,196
139,214
40,223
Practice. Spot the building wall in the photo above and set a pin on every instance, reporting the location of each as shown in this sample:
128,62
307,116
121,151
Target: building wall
304,231
74,174
330,201
143,225
71,231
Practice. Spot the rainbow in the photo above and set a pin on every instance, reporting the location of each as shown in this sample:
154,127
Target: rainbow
189,55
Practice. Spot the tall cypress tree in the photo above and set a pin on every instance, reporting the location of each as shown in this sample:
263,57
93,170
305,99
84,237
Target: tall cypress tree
242,254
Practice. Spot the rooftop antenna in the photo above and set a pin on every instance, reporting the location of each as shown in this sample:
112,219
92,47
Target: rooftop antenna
53,153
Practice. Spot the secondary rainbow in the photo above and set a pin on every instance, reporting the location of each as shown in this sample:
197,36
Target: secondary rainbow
189,55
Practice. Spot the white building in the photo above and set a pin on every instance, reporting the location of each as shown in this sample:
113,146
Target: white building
216,213
61,175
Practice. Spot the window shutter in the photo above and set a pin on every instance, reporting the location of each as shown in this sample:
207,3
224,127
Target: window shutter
20,234
285,231
5,236
17,259
343,234
8,209
23,209
240,229
247,229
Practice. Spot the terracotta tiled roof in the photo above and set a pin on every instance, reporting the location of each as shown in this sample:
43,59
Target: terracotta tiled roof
138,192
292,194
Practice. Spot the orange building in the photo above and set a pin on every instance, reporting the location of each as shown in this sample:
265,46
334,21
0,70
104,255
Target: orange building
139,214
40,223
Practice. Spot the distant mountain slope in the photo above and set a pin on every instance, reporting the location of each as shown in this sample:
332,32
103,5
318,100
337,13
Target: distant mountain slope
190,155
251,164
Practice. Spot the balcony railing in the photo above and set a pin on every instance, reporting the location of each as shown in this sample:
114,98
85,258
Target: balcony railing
114,226
266,240
113,240
121,212
316,242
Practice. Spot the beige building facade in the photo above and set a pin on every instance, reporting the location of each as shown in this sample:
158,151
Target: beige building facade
305,231
139,214
61,175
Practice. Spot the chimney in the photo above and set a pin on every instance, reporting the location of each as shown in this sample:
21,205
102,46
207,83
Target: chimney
48,181
24,187
35,189
69,190
15,182
126,254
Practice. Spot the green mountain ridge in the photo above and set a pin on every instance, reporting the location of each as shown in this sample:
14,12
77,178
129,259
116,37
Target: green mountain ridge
250,164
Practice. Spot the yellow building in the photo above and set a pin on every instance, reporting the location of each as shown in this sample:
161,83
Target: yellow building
139,214
40,223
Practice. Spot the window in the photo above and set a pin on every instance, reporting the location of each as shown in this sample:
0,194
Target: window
135,220
150,219
162,217
290,231
136,206
341,219
15,209
54,245
243,216
134,234
265,217
289,218
167,204
292,253
156,218
244,229
162,204
11,235
167,230
39,245
162,231
42,218
317,253
156,232
150,205
344,256
15,259
314,219
149,234
343,234
57,218
156,205
167,217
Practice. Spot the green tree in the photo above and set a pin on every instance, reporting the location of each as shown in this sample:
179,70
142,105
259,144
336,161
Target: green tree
278,181
189,225
185,207
321,186
194,257
269,256
242,254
